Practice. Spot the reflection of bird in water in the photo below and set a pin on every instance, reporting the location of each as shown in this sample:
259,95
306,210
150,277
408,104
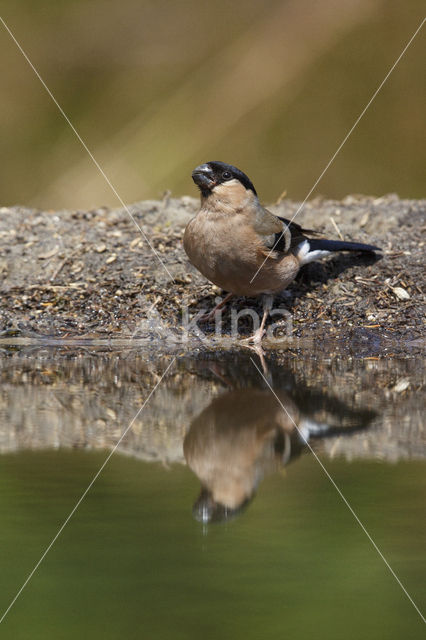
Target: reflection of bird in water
244,435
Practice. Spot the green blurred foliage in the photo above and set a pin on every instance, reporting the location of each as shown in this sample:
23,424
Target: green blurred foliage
155,88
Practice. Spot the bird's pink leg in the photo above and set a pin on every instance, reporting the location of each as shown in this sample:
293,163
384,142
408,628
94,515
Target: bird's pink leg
208,317
256,338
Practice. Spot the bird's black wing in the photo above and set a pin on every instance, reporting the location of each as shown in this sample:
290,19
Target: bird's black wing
297,235
317,244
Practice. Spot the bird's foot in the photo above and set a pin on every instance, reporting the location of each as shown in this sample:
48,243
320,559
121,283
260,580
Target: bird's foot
256,338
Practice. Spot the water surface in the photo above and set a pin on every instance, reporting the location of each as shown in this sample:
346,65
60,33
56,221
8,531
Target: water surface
213,517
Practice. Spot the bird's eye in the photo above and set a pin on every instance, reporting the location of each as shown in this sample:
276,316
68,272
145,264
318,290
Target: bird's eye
226,175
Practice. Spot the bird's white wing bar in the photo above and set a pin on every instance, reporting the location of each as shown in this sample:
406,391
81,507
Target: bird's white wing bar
305,255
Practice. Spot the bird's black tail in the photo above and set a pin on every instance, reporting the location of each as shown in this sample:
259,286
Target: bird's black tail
339,245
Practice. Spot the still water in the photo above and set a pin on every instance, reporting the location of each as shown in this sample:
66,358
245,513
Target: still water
214,517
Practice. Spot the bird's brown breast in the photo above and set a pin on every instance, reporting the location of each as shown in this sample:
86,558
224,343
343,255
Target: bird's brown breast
228,251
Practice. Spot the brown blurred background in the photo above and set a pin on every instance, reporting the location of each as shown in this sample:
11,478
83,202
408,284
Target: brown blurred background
156,87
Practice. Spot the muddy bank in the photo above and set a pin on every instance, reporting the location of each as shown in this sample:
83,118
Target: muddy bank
92,275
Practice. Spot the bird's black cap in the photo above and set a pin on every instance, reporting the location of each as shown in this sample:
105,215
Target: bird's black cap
208,175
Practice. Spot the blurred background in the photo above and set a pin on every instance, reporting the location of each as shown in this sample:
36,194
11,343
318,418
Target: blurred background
156,87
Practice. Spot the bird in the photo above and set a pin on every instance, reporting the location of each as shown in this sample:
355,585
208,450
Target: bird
243,248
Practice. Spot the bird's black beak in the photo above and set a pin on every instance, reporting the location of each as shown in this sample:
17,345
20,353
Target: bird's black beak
204,178
204,507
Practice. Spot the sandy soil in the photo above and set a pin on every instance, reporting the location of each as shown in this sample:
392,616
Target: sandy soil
91,274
